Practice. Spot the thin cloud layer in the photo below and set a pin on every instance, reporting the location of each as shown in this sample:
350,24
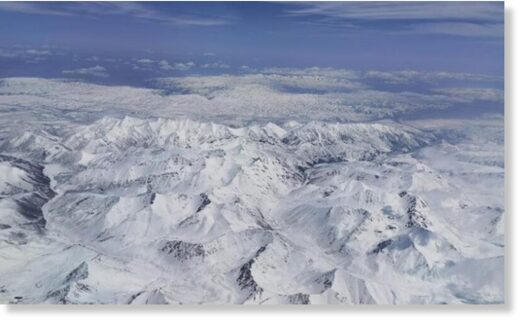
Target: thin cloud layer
380,10
144,61
135,10
96,71
183,66
216,65
475,19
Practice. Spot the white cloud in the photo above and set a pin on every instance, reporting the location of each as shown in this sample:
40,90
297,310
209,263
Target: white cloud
324,93
380,10
472,94
276,94
144,61
165,65
184,66
35,60
7,54
461,29
93,58
135,10
216,65
96,71
29,55
408,76
468,19
37,52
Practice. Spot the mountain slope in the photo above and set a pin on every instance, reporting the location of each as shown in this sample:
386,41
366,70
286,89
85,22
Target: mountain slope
179,211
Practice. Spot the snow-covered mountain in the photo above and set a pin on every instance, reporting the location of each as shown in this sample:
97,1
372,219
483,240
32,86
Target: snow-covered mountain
172,210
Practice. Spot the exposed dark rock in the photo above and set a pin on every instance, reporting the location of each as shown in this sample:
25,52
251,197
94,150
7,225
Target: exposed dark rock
60,294
183,250
79,273
381,246
204,201
299,298
245,279
415,215
326,280
134,296
30,201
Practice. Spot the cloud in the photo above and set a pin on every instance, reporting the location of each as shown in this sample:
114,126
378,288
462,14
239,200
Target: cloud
314,71
278,94
461,29
184,66
37,52
467,19
148,64
165,65
28,54
410,76
7,54
327,93
381,10
144,61
33,8
92,58
474,94
134,10
36,60
96,71
216,65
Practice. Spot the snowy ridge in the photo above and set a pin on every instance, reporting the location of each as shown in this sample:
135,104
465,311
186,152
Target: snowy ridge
180,211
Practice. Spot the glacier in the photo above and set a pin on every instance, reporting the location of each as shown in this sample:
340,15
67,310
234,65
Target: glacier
120,195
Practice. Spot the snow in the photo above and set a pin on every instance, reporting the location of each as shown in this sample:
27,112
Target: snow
183,210
12,177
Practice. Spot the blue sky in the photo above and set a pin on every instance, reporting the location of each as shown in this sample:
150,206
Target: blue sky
426,36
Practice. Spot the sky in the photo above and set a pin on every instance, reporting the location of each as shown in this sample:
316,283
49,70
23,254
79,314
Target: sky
86,38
